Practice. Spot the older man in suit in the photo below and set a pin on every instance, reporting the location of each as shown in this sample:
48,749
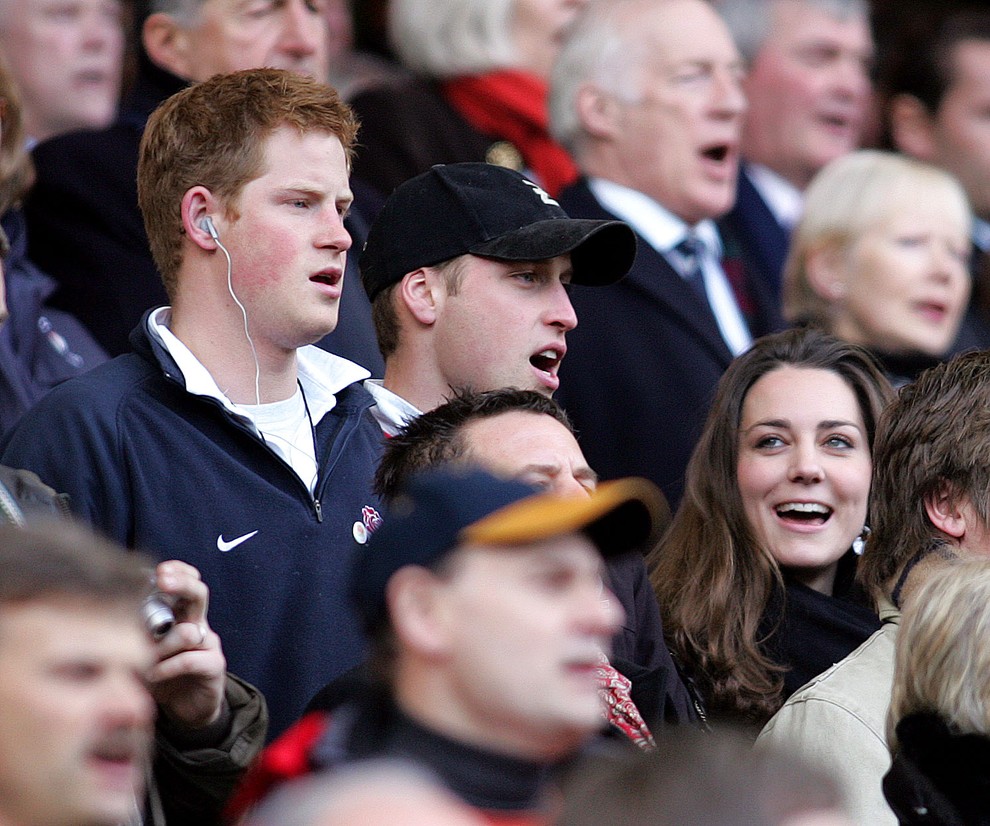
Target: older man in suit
647,95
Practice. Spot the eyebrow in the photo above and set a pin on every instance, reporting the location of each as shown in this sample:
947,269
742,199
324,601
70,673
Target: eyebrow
311,191
583,472
825,424
830,423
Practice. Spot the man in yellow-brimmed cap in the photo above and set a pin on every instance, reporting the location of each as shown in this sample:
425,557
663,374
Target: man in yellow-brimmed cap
488,616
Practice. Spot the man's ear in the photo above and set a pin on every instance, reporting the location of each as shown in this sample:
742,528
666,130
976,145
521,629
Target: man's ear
413,596
912,128
945,511
597,111
827,272
197,204
166,43
419,291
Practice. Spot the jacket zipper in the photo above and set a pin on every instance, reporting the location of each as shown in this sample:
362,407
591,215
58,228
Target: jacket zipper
317,506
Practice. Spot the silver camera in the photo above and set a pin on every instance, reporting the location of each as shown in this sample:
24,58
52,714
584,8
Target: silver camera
157,613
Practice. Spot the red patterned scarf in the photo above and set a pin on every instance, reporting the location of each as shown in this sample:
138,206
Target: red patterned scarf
618,706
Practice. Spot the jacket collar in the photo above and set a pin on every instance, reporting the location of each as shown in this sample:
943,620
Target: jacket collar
321,374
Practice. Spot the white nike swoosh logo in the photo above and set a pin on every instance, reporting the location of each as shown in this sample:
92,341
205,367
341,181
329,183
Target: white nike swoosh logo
224,546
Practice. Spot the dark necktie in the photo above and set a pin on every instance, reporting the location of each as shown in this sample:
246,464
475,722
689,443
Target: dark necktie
690,250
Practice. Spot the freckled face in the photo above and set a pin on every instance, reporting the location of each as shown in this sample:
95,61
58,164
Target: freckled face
287,239
804,469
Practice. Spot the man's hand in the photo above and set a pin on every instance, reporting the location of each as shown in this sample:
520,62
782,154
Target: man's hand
187,682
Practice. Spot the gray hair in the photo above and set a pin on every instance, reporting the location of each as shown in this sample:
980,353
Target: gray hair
185,12
751,21
445,38
602,49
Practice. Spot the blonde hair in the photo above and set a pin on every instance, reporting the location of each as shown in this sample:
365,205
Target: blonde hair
848,197
943,659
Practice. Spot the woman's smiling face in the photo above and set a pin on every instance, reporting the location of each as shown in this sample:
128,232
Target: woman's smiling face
804,469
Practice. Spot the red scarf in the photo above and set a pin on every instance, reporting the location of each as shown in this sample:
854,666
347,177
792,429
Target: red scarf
512,105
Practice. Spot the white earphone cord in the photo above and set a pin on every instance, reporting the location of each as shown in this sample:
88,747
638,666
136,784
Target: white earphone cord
247,334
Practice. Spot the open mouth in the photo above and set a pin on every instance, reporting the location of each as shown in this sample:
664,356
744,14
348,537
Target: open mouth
547,361
718,153
118,761
93,77
837,122
804,513
329,277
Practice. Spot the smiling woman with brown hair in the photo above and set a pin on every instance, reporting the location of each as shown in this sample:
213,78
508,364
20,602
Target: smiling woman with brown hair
754,578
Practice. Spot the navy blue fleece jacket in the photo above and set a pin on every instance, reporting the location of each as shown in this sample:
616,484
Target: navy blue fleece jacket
159,469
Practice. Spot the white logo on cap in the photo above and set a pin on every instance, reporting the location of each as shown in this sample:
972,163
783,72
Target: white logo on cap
544,195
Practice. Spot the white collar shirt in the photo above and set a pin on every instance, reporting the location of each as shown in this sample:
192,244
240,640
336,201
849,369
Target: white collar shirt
664,231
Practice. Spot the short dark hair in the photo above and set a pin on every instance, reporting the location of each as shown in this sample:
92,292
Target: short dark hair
921,62
435,437
932,437
383,313
59,559
430,440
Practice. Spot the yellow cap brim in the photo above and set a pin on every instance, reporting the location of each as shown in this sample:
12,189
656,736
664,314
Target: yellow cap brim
619,516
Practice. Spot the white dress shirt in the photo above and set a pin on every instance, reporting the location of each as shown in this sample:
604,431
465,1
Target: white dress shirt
663,231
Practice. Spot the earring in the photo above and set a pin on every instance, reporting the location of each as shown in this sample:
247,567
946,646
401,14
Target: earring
859,543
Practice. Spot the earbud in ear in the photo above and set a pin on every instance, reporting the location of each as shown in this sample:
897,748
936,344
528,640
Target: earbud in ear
206,224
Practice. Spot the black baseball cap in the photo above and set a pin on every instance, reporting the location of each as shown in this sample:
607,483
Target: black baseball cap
489,211
441,509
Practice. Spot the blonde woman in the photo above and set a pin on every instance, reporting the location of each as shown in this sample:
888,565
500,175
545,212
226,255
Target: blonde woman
880,259
938,728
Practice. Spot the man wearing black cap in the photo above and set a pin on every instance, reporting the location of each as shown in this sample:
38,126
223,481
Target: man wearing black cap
467,267
485,604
